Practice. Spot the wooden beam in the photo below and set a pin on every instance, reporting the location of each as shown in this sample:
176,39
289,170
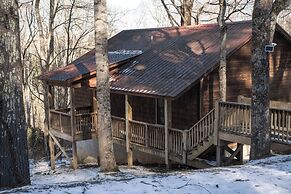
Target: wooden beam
168,124
216,123
59,145
58,154
201,97
48,127
234,138
95,110
62,135
234,154
220,152
73,128
128,118
52,153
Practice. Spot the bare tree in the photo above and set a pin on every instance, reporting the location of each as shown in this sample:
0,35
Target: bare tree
265,15
107,159
225,13
14,166
182,8
222,65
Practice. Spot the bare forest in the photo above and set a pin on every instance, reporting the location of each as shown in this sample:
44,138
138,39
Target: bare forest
38,36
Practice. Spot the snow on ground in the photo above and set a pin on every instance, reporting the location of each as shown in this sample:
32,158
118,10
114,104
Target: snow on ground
272,175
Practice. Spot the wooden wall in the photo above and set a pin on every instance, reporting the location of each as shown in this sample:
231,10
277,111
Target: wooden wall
83,97
185,109
117,105
239,76
143,109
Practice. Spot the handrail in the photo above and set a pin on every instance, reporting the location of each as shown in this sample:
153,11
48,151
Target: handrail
144,123
116,117
203,118
234,103
86,114
58,112
201,131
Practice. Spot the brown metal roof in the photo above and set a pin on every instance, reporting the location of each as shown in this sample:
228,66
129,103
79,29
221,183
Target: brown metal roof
173,59
85,66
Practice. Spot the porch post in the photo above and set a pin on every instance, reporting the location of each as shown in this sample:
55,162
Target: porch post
217,142
128,118
168,124
73,128
51,105
95,109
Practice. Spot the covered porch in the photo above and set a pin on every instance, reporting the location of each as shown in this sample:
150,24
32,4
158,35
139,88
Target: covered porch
140,123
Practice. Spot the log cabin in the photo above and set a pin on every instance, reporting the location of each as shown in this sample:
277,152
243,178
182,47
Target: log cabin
164,84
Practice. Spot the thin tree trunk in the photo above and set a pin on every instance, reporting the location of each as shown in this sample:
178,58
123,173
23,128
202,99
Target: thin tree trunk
107,159
186,11
14,166
222,65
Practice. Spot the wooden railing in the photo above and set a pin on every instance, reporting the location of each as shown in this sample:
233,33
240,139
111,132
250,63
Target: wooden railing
177,141
85,123
146,134
235,118
118,127
280,125
156,136
60,121
201,131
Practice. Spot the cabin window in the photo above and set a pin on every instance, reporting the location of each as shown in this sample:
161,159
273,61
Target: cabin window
160,116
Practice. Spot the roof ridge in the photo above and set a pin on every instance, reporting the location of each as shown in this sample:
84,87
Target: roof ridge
186,27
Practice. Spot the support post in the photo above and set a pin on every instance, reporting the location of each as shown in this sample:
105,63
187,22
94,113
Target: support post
128,118
51,105
216,123
168,124
184,147
73,129
95,110
52,153
240,156
219,153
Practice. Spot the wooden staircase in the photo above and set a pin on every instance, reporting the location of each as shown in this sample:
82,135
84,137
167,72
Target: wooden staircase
200,137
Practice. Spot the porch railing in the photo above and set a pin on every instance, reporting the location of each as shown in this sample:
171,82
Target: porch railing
281,125
236,118
60,121
85,123
118,127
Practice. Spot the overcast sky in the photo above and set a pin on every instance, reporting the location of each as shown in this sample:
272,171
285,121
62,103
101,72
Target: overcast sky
125,4
134,13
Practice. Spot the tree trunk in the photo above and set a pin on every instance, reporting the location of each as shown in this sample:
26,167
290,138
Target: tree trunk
265,14
222,65
261,142
14,166
186,12
107,159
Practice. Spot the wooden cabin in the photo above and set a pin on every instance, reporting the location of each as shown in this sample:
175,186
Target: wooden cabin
164,85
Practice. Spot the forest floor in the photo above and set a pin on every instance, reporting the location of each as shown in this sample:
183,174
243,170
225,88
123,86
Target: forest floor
272,175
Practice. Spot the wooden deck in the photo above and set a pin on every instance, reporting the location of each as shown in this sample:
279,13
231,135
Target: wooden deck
235,123
229,122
